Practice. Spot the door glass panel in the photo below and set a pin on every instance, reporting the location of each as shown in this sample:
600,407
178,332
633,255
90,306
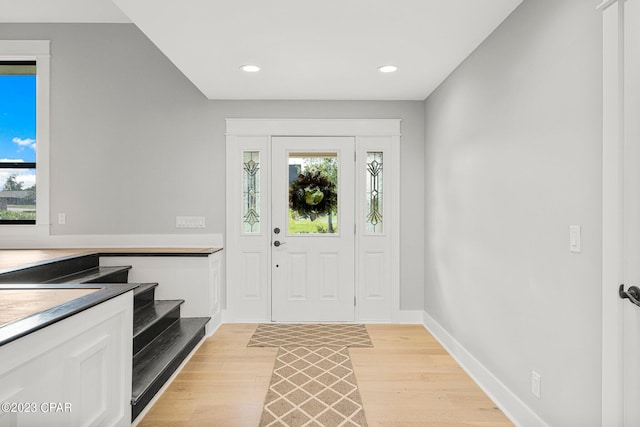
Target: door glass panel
313,193
374,193
251,192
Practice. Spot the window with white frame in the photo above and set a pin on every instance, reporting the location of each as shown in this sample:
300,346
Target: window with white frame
24,133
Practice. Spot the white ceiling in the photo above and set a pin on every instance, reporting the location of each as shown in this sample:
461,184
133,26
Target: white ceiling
60,11
307,49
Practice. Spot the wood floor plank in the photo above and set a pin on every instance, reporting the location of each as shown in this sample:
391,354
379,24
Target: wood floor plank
406,379
410,380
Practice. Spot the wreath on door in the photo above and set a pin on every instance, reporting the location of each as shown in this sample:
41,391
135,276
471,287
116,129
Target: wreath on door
312,194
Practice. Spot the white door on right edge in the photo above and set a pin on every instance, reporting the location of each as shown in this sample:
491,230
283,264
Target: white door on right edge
631,196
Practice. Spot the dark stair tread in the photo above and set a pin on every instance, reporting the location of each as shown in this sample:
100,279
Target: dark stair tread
46,270
145,317
162,356
91,275
143,287
144,294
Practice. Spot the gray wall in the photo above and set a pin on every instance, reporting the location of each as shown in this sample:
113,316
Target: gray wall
134,143
513,157
130,135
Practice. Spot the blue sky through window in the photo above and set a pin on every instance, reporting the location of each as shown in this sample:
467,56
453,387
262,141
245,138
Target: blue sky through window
18,118
18,126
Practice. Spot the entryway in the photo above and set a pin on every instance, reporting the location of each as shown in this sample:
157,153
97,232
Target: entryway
312,220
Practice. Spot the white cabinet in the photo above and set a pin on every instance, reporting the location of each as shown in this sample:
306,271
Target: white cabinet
76,372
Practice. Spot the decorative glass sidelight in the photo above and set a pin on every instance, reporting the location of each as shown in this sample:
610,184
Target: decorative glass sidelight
374,202
251,192
313,193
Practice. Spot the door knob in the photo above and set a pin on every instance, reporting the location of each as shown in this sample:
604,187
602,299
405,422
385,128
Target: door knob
278,243
633,294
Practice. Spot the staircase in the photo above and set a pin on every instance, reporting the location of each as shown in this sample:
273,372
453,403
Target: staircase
161,341
161,338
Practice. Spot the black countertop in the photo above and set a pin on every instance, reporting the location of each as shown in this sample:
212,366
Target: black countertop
19,328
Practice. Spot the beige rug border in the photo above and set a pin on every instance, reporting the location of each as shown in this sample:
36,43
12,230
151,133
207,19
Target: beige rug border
276,342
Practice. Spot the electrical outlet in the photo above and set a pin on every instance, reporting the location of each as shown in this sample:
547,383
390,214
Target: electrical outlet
535,384
62,218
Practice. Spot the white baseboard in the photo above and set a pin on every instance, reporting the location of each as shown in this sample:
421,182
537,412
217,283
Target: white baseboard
413,317
228,316
512,406
214,324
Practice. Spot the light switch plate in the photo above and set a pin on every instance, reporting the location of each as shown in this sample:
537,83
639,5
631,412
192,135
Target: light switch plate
189,222
575,238
535,384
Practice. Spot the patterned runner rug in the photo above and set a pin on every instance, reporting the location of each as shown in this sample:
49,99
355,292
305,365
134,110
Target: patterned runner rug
313,386
310,335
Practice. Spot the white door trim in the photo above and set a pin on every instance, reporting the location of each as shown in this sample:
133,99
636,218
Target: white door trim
260,131
313,127
612,213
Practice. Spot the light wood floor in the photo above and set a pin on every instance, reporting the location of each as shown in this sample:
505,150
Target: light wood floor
406,379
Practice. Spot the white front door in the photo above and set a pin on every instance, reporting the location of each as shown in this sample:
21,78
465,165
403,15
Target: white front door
313,258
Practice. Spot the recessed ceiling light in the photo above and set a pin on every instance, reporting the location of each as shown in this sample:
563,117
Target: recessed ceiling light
387,68
250,68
